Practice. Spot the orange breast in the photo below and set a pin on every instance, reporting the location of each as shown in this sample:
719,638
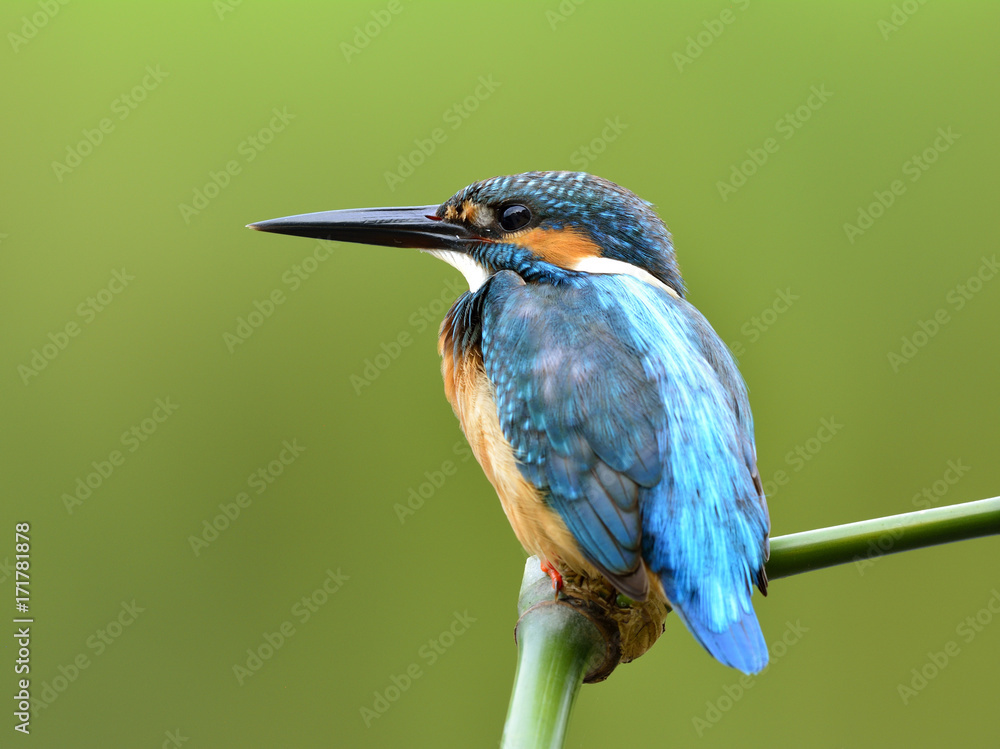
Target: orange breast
539,529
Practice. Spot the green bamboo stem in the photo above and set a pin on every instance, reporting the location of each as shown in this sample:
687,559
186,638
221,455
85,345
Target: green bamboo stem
868,539
558,645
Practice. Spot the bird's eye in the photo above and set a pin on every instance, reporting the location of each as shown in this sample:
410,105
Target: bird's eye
514,217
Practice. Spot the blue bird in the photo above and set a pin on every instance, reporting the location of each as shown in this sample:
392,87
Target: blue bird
602,406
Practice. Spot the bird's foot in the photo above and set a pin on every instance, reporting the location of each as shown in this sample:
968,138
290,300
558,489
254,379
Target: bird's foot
553,573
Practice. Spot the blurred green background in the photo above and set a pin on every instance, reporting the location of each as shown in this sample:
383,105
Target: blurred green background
140,138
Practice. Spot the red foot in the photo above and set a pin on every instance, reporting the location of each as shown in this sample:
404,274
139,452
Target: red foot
553,573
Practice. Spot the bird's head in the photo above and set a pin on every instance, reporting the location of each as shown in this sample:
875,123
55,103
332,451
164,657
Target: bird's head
541,225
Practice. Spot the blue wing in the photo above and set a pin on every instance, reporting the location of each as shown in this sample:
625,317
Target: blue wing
626,410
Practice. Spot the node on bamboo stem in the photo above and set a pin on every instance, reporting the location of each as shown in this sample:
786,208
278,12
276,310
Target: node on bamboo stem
627,628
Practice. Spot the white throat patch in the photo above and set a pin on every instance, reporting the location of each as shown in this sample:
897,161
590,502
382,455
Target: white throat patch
610,266
476,276
474,273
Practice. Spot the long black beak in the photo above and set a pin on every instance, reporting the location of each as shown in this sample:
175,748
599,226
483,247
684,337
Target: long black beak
417,227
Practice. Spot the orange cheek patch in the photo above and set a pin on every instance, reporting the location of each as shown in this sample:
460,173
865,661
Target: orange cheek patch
562,247
469,211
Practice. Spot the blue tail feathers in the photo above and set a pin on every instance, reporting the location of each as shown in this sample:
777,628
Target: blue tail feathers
740,646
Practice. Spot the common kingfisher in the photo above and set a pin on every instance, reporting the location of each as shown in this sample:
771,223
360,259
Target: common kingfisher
607,413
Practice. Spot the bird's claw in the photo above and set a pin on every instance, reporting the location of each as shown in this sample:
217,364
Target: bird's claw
553,573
